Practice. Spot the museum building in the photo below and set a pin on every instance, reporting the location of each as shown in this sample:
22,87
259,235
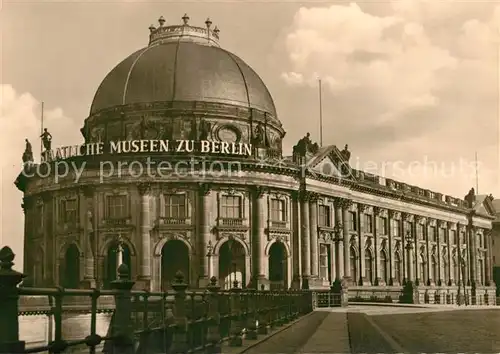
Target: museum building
259,217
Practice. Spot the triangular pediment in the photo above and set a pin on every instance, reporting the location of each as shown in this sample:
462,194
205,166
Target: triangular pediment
329,162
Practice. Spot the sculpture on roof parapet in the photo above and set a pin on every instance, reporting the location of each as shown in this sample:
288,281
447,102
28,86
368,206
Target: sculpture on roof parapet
304,146
28,153
46,139
346,154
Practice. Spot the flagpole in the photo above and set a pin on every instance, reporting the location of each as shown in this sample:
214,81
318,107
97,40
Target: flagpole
477,177
320,116
41,132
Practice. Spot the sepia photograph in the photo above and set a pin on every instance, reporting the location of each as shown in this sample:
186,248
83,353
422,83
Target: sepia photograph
256,177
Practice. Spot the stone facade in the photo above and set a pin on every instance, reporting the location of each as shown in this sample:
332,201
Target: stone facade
265,220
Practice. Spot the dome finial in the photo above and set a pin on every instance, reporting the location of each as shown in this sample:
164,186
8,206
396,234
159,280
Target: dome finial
161,21
185,19
208,23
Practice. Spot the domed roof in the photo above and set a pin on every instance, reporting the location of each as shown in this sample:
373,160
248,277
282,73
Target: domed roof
183,63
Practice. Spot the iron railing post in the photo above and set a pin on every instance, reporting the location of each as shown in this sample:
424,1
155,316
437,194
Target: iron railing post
122,327
180,336
236,339
252,309
9,304
213,333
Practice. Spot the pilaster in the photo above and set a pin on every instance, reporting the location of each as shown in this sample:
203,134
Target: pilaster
346,250
430,278
259,236
376,246
362,244
390,216
441,231
144,190
313,223
296,241
87,211
305,239
205,254
448,254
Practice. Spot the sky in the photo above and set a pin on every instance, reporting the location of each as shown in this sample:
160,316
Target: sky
411,86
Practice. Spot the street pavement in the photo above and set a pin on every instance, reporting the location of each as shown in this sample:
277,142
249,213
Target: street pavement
388,329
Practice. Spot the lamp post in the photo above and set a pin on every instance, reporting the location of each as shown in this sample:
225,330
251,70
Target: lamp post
210,252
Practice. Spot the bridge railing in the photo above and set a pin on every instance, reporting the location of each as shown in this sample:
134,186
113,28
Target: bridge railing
179,321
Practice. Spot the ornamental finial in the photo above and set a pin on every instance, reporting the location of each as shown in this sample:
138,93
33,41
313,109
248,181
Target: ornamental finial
185,19
152,28
208,23
161,21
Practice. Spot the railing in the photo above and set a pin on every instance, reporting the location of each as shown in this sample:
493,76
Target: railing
179,321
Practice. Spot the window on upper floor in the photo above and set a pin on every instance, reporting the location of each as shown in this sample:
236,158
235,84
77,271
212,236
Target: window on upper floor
453,237
324,216
368,223
420,232
230,207
353,224
278,212
395,227
175,206
433,233
383,225
116,206
68,211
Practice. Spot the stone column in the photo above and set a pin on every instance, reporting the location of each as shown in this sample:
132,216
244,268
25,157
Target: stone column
409,249
404,237
204,239
339,262
345,240
89,230
296,244
451,273
259,237
145,227
489,270
305,240
439,280
471,249
376,246
417,260
390,215
313,223
362,241
430,280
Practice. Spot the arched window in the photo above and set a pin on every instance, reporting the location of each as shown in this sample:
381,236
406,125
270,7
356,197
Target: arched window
352,263
369,266
383,267
397,268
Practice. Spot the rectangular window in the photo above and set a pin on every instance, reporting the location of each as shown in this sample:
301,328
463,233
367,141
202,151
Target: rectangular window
395,228
68,211
116,207
368,223
441,235
352,221
175,206
278,210
383,225
230,207
433,233
323,261
453,236
324,216
420,232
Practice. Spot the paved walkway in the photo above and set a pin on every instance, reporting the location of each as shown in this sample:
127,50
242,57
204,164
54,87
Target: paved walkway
358,329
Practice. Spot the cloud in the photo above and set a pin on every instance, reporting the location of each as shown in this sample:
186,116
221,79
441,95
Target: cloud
404,81
20,119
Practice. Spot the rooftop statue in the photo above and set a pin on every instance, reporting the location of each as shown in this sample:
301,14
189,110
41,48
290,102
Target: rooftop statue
346,154
46,139
259,136
28,153
305,145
